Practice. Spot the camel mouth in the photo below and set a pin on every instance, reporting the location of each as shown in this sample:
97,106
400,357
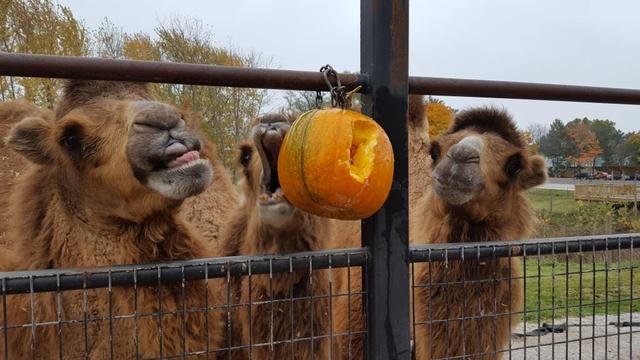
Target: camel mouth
453,192
268,142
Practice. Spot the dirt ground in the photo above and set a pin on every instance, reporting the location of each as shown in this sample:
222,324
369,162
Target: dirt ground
599,340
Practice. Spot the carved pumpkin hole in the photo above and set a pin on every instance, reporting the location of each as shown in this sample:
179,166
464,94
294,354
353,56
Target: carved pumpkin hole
361,153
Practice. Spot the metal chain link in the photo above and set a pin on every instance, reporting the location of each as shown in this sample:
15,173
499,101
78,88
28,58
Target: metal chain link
338,93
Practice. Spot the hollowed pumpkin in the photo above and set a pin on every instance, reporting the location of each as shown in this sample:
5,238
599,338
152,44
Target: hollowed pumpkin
336,163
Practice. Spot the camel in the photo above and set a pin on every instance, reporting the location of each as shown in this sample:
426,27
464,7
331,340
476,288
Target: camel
481,169
106,178
266,223
207,212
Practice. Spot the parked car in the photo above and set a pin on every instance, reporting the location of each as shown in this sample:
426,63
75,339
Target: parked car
601,175
617,177
632,177
584,176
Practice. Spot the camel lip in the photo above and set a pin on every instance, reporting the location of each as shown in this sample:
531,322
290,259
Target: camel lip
267,198
449,185
183,159
179,167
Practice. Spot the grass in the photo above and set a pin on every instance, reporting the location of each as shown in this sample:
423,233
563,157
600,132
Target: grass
555,289
554,201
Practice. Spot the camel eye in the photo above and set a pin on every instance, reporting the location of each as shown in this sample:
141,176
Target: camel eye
434,151
245,155
71,140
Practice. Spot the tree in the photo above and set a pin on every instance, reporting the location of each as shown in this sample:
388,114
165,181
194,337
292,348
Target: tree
557,145
226,112
40,27
628,151
586,143
608,137
301,101
440,116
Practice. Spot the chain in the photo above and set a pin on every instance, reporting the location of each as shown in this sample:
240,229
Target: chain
339,95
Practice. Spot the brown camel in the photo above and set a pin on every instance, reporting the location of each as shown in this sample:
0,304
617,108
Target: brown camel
480,170
207,212
104,186
266,223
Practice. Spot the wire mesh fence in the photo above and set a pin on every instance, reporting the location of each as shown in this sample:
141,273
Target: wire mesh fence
568,298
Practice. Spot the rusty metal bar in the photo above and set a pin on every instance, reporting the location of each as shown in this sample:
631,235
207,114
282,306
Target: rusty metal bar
521,90
70,67
73,67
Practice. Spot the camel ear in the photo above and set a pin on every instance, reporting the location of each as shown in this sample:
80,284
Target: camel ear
30,138
534,174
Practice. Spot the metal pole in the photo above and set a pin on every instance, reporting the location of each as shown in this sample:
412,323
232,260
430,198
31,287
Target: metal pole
384,35
76,67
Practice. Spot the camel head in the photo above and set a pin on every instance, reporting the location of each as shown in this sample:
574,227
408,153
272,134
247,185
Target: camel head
259,163
481,160
114,143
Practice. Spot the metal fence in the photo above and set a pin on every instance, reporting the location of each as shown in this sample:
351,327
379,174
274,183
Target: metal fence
378,322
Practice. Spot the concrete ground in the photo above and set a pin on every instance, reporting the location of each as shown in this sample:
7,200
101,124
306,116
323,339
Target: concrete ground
597,340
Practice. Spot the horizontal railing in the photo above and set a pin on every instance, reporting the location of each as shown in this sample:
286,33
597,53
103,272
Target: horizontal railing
71,67
177,271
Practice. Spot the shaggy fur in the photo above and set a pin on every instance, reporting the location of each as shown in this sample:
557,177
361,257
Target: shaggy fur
488,119
485,291
83,209
296,316
419,161
11,164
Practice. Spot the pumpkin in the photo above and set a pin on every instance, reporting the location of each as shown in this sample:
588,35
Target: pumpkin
336,163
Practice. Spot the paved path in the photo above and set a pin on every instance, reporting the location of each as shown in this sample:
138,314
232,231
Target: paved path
569,184
597,340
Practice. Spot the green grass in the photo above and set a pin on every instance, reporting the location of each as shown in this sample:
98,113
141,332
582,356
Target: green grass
555,201
554,294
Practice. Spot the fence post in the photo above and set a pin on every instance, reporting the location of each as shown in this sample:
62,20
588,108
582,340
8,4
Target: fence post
384,34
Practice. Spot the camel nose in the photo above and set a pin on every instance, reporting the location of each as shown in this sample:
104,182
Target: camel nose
157,115
467,150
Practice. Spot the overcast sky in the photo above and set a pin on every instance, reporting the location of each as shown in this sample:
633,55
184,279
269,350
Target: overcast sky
578,42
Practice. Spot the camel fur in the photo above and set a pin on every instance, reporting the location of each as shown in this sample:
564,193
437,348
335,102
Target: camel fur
104,186
481,169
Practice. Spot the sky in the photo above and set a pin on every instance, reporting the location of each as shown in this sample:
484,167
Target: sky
575,42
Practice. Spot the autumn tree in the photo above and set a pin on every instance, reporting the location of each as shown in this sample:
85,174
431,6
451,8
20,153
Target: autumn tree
440,116
226,111
608,136
557,145
38,27
585,142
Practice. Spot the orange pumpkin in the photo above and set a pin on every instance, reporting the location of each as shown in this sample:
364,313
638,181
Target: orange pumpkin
336,163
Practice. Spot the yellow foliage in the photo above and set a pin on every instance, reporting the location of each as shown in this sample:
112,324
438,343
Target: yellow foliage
440,117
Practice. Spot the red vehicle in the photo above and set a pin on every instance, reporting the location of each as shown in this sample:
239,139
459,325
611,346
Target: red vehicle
601,175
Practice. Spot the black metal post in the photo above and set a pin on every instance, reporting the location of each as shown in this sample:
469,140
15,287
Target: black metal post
384,35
